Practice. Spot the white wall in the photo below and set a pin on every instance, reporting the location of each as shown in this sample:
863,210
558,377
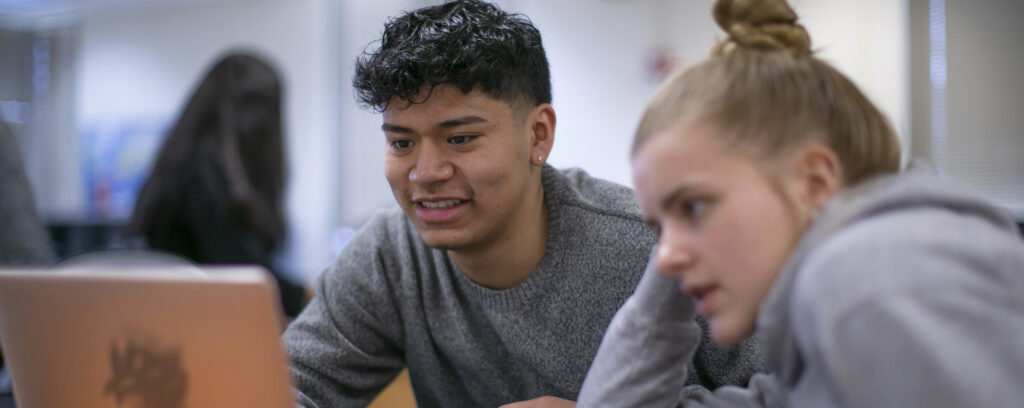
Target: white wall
601,51
869,41
144,65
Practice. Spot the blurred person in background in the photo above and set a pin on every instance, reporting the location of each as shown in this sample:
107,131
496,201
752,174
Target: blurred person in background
215,192
775,186
23,239
497,276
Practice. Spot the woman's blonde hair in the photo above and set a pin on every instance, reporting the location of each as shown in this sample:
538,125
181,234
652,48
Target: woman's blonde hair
763,87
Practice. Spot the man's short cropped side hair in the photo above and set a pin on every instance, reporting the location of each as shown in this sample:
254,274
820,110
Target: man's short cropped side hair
469,44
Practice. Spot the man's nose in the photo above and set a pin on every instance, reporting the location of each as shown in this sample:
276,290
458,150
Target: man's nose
432,165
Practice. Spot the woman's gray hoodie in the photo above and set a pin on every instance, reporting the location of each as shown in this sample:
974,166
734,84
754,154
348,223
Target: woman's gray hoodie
906,292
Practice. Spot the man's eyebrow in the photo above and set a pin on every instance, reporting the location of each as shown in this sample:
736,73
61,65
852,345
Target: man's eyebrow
448,124
465,120
387,127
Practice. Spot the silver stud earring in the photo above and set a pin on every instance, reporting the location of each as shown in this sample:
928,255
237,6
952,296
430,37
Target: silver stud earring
540,158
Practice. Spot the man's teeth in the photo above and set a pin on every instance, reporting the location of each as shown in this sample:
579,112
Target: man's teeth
434,205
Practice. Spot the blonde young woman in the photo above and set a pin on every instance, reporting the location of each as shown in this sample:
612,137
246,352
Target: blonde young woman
774,185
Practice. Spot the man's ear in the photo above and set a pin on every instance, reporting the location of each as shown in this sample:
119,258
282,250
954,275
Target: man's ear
820,173
541,125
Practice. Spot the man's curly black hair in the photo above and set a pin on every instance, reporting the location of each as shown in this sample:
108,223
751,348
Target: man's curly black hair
469,44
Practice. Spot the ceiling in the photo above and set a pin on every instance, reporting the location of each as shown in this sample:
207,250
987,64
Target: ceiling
49,14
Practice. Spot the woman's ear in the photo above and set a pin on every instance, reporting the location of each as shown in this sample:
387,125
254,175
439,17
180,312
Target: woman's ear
541,123
820,174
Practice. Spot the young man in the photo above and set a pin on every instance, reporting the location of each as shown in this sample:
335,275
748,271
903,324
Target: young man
497,278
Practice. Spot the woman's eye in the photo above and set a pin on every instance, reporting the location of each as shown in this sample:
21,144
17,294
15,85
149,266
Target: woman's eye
695,209
656,227
400,144
460,139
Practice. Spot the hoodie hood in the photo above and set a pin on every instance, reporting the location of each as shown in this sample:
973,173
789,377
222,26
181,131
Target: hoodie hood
917,187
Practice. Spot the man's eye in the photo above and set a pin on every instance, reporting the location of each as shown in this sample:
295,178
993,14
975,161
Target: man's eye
400,144
460,139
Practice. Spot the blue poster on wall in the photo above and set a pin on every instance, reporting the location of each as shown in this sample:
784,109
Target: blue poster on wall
117,159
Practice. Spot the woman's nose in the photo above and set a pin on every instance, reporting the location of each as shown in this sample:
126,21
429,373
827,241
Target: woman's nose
673,256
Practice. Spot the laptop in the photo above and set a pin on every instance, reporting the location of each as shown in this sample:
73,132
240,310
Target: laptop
153,336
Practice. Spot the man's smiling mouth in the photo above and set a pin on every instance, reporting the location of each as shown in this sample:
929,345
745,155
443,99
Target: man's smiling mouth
439,205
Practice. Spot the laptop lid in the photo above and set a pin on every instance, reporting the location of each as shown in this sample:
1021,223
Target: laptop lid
157,337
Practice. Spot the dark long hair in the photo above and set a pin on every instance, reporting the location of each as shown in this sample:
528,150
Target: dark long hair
224,158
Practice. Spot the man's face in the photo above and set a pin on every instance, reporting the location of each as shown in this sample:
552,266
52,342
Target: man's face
459,165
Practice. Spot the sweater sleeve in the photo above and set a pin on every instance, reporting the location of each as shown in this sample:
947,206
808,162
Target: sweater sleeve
346,346
642,361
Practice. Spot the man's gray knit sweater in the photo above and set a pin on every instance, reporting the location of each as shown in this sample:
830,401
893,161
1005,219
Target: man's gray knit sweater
390,301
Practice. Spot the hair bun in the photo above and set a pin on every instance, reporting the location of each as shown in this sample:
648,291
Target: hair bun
761,25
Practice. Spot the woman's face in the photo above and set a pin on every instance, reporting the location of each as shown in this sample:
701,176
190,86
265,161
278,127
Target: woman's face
725,226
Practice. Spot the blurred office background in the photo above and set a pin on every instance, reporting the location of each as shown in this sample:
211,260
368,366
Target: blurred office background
90,86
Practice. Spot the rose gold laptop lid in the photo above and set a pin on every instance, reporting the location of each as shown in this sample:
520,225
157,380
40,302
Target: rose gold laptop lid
143,337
